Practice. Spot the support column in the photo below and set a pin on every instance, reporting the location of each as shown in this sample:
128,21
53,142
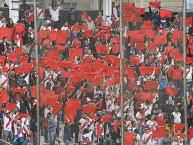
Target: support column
95,4
107,8
14,10
142,4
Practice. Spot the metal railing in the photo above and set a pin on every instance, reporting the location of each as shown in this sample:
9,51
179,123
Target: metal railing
2,142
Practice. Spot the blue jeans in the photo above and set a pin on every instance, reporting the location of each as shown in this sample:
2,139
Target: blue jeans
51,136
66,142
40,22
140,129
7,134
35,137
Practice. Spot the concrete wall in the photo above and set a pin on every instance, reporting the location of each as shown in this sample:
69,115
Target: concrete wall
81,4
1,3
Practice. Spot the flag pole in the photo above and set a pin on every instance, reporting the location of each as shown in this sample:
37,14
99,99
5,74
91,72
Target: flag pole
37,72
184,62
121,72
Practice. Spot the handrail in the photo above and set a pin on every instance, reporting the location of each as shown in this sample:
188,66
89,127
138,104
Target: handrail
5,142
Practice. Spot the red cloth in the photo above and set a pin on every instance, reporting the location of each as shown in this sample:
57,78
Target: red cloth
146,70
115,49
134,60
160,39
165,13
179,57
61,37
150,34
156,134
140,46
176,127
189,21
12,57
155,4
138,38
190,130
141,11
10,107
171,91
128,138
71,108
151,85
31,18
3,96
177,74
152,46
42,34
89,108
75,52
147,96
177,34
6,32
147,23
20,28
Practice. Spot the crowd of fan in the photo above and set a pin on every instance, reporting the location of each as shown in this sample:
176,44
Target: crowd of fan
79,72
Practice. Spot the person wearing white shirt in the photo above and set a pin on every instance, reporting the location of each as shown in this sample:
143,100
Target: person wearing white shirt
40,15
54,12
188,73
7,126
176,116
147,137
152,124
137,137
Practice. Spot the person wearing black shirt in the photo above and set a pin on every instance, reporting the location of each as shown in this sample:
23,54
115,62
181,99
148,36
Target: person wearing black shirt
72,19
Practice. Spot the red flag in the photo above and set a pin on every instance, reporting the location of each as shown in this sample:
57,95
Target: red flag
188,60
190,130
189,21
61,37
160,39
52,35
140,46
3,96
152,46
20,28
141,11
171,91
179,57
176,127
20,115
151,85
128,138
150,34
6,32
60,47
89,108
56,109
10,107
147,96
156,134
115,49
134,60
76,43
75,52
146,70
42,34
177,74
2,60
177,34
147,23
155,4
18,90
165,13
138,38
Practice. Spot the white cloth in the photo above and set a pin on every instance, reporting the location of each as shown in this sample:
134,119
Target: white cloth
40,13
